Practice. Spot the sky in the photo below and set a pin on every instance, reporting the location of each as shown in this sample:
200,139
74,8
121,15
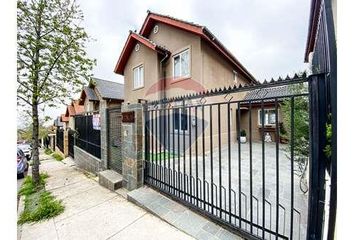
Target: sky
267,36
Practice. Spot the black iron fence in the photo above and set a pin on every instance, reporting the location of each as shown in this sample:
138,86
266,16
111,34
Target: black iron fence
71,142
60,139
88,138
223,156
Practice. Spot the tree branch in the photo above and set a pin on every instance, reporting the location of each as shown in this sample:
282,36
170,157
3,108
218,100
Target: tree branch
53,64
25,100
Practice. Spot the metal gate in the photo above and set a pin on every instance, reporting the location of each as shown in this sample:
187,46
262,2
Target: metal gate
114,123
71,142
194,152
60,139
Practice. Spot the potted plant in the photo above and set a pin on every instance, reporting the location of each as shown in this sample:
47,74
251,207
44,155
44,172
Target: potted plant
243,134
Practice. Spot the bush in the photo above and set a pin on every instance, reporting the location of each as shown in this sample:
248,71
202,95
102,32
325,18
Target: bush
48,151
57,156
243,133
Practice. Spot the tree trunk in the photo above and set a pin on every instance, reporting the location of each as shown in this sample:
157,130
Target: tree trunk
35,152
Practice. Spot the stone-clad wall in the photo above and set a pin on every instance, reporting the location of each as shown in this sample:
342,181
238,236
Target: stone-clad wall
103,119
86,161
132,148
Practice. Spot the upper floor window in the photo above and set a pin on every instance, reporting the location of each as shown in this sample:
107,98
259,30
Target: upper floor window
138,73
181,64
269,117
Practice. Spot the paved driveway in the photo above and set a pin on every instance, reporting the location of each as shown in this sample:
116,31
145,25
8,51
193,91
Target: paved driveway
243,179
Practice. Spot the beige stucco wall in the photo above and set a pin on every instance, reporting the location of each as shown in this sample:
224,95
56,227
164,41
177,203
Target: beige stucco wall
207,68
176,41
149,59
88,105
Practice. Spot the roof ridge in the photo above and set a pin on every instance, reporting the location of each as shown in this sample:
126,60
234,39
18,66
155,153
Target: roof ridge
174,18
106,80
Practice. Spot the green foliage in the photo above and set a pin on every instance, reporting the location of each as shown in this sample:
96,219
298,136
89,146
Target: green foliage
243,133
328,148
162,155
52,63
48,151
57,156
301,125
28,186
39,206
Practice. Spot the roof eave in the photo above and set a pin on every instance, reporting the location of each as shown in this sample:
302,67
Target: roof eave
123,58
312,28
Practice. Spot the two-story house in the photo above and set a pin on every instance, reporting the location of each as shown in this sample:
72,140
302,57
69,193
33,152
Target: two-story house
171,57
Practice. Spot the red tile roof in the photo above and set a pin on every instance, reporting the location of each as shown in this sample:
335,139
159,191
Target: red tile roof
77,107
74,108
63,118
199,30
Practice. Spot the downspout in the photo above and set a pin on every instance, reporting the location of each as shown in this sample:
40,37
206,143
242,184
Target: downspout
163,95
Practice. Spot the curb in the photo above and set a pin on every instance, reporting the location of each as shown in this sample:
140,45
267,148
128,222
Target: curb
20,209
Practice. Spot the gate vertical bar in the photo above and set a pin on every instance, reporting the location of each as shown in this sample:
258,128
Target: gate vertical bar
220,180
147,138
251,168
317,165
277,167
196,154
229,155
238,122
211,159
263,170
292,169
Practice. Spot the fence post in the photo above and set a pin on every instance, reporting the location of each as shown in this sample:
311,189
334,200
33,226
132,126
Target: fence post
318,118
132,146
66,142
104,139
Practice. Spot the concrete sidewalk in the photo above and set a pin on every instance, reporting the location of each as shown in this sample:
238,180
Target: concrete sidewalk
93,212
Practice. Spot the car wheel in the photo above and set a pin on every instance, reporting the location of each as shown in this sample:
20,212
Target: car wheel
20,175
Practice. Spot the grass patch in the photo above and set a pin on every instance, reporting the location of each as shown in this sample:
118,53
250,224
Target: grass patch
162,155
39,203
57,156
39,206
28,187
48,151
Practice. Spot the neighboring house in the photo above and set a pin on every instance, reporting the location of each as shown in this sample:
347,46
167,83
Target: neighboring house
256,112
101,94
64,120
58,123
171,57
71,111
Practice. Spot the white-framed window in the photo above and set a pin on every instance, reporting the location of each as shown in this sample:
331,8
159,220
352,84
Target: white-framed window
138,73
269,117
180,119
181,64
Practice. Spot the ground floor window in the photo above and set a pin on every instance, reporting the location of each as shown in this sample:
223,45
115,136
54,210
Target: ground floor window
269,117
180,118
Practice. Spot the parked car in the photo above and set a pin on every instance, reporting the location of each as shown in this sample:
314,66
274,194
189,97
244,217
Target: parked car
26,149
22,164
